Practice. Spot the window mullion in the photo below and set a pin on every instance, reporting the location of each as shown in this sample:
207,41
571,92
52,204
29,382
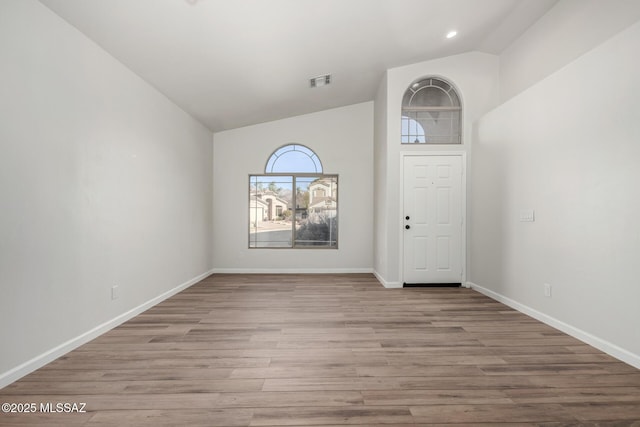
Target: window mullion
294,208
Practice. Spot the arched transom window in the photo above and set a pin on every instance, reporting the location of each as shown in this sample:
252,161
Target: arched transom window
293,204
294,158
431,113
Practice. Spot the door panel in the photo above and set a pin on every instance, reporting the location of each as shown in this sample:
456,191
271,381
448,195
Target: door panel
443,206
420,211
443,251
420,253
432,249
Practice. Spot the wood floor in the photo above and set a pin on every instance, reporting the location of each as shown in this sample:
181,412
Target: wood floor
330,350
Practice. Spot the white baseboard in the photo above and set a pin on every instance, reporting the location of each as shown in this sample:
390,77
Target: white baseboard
49,356
385,283
307,271
290,270
603,345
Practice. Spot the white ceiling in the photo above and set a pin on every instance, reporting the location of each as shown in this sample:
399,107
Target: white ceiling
232,63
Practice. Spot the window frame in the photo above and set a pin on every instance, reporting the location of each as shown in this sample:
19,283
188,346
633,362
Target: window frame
278,153
407,110
293,176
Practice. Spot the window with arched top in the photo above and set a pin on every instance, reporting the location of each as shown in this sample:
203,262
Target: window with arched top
431,113
294,158
293,204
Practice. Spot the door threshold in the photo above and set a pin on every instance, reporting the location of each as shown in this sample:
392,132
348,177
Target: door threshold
431,285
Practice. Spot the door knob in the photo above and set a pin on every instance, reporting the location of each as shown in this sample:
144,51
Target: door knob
407,227
407,217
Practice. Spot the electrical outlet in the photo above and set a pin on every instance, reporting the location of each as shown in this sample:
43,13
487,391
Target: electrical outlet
547,290
115,292
527,215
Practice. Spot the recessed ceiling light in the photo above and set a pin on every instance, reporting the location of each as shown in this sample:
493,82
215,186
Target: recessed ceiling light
320,80
452,34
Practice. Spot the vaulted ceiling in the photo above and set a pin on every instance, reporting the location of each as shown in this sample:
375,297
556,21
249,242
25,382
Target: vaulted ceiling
232,63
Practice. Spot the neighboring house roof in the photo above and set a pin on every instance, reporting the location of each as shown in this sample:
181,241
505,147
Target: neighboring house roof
266,195
259,202
320,181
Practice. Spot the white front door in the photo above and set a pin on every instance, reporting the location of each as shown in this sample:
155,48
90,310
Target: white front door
433,219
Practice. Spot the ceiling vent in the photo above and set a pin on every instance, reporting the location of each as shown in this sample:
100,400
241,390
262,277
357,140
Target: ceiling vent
320,81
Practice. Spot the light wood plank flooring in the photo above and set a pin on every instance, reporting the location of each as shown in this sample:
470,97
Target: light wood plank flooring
330,350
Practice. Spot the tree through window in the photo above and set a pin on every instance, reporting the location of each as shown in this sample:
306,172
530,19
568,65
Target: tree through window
293,204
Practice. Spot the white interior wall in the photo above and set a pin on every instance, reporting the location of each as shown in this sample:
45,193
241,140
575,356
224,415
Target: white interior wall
475,76
568,148
343,139
569,29
103,182
380,237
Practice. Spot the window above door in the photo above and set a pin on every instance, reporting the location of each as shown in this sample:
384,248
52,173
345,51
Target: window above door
431,113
